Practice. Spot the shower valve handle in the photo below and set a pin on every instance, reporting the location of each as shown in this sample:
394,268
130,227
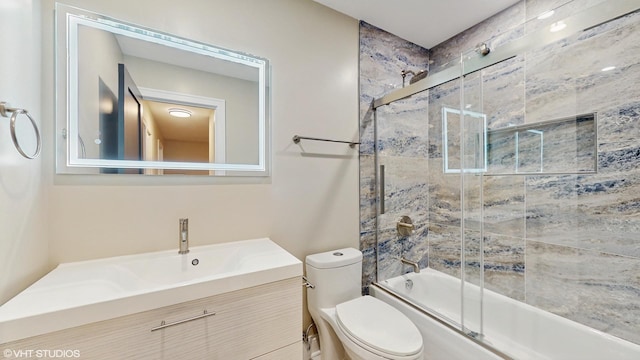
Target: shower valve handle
405,225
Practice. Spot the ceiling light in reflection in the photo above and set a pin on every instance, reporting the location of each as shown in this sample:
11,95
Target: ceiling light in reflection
181,113
608,68
546,15
557,26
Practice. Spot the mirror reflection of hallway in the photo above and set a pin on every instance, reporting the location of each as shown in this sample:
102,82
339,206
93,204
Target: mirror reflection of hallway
184,139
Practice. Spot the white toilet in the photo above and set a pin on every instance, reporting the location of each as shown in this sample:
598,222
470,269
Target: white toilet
363,327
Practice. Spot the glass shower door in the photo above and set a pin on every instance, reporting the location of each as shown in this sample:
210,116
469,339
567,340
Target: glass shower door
527,201
472,148
401,139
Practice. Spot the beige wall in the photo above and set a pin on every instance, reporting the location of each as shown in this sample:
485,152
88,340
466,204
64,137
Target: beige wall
309,204
186,151
153,134
176,150
23,224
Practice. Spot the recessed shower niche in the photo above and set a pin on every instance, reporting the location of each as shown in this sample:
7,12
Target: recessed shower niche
559,146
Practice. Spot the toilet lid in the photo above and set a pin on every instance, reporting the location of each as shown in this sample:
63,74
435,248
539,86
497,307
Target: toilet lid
379,325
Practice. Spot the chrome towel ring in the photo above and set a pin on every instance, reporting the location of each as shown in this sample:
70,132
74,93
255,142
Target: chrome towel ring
4,110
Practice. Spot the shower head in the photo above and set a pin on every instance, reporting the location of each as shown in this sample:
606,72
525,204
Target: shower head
419,76
415,76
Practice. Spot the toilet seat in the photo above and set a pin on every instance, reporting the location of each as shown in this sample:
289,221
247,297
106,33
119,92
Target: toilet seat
379,328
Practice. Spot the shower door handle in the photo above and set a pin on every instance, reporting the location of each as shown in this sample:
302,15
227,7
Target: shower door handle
381,189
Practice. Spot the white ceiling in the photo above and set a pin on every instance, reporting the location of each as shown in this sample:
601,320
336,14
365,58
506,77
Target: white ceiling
423,22
133,46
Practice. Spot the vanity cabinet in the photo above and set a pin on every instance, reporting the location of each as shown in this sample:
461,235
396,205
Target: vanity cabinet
261,322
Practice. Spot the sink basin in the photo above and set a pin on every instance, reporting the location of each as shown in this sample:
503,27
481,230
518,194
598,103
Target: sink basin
79,293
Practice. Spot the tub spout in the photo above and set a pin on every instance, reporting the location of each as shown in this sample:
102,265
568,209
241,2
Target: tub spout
416,267
184,236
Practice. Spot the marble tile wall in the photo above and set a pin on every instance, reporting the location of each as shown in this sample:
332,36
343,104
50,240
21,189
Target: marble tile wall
402,144
568,244
582,230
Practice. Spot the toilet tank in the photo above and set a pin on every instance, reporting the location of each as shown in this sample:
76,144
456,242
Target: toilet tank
336,276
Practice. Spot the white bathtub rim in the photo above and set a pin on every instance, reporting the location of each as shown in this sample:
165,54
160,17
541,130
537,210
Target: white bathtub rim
595,339
465,347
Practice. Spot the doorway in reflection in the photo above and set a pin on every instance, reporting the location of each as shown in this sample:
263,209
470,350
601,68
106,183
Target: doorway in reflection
184,133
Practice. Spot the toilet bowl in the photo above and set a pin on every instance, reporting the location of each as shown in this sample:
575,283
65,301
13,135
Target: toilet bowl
360,327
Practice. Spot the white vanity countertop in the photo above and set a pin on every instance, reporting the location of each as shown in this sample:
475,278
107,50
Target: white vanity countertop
79,293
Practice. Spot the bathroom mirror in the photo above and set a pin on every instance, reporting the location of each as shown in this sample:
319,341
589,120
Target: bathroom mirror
131,100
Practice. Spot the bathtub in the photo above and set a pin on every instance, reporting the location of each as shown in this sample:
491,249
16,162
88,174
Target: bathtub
79,293
515,329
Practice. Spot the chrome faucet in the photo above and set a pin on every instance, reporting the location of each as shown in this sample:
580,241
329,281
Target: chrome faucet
184,236
416,267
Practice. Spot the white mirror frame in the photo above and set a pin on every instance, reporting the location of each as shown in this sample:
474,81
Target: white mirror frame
67,129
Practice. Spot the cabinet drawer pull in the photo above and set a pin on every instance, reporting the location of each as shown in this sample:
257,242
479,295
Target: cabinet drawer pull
163,324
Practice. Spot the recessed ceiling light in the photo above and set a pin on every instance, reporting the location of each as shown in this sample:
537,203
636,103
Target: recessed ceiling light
181,113
608,68
546,15
557,26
